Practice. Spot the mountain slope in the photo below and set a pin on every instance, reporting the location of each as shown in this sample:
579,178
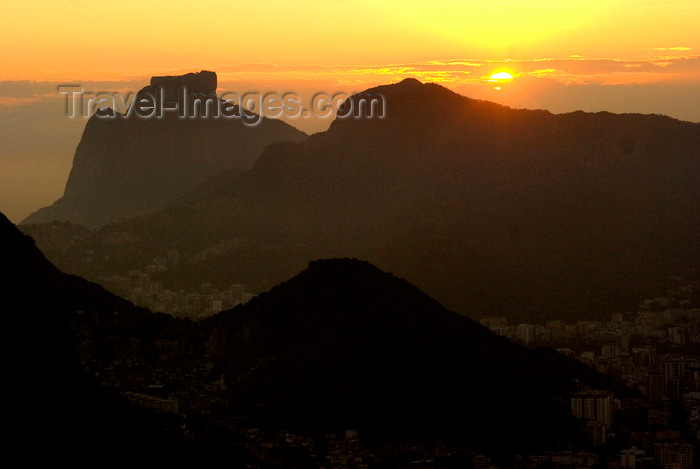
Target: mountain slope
490,210
53,412
345,345
341,345
126,165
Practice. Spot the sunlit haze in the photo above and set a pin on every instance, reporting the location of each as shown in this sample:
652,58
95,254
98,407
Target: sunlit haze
351,233
614,55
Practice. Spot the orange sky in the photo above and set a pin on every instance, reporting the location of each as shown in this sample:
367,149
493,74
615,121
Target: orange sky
615,55
98,39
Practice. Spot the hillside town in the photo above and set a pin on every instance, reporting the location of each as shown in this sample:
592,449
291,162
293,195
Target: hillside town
655,351
140,287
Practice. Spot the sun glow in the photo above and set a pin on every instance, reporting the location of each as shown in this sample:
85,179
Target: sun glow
499,79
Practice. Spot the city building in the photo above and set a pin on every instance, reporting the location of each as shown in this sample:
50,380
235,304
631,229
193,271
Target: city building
594,405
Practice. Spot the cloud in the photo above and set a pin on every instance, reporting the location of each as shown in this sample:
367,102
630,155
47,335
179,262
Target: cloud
572,69
38,140
28,92
673,48
12,101
452,72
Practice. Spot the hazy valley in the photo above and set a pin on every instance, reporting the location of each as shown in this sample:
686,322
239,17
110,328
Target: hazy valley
493,211
456,284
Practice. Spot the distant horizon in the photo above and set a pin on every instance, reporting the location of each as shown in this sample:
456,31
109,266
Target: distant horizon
619,56
44,162
357,233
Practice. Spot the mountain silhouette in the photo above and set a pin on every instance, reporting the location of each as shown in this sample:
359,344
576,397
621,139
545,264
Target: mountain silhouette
54,412
126,165
340,345
345,345
491,210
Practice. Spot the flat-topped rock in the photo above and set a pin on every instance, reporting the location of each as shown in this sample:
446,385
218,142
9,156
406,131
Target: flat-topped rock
200,82
126,167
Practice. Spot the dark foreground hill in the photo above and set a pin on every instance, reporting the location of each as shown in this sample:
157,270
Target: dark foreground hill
52,412
341,345
126,165
345,345
493,211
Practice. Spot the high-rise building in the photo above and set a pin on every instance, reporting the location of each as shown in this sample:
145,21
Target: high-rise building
628,457
610,351
655,388
595,405
596,432
676,454
678,376
627,460
526,333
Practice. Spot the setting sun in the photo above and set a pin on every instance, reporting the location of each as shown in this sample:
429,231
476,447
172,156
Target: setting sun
500,78
614,55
